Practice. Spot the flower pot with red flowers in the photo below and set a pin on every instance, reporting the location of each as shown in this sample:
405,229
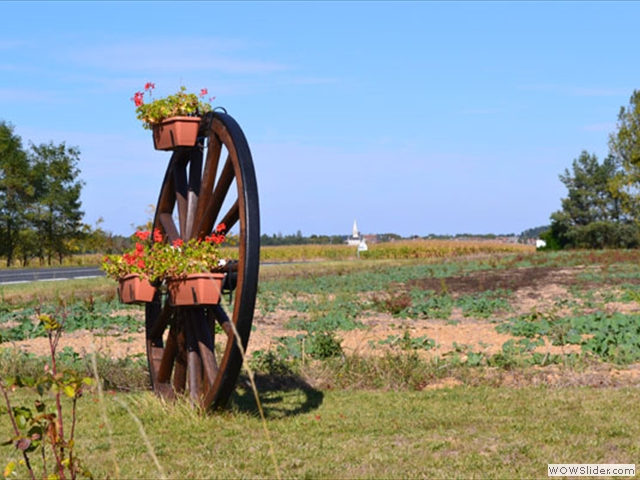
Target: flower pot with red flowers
133,271
174,119
192,270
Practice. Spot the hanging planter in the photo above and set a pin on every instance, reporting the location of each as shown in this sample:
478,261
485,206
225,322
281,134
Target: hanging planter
185,268
195,289
135,289
176,132
174,119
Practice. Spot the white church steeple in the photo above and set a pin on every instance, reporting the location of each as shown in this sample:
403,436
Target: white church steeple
355,238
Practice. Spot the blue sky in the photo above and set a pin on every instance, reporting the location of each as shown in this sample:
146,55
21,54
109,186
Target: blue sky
411,117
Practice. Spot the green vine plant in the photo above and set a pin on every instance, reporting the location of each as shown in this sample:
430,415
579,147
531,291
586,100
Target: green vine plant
41,431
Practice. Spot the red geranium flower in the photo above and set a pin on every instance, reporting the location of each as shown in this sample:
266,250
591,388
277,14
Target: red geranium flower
128,258
138,98
215,238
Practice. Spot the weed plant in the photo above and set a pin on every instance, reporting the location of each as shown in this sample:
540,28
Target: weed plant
39,432
408,343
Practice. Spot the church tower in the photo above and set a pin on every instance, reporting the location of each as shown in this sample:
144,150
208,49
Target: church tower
354,239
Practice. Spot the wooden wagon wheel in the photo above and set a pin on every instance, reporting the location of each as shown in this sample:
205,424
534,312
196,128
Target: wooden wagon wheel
193,350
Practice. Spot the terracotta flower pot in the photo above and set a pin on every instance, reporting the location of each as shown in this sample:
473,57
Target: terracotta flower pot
195,289
134,289
176,132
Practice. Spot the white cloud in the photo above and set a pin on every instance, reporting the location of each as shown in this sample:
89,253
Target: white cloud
24,95
186,54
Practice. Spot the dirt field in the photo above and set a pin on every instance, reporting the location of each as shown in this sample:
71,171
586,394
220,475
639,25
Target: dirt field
537,288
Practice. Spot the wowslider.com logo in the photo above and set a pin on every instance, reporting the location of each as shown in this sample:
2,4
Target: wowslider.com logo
591,469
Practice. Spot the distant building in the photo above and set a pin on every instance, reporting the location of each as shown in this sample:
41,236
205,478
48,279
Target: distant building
371,238
355,238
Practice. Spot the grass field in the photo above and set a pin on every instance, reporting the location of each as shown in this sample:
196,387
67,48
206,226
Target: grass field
542,366
461,432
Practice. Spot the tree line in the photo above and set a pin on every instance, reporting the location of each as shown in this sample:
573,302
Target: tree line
602,206
40,208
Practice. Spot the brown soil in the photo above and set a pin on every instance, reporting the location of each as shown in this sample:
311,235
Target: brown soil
537,288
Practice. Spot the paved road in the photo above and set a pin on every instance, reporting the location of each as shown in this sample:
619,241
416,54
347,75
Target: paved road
37,274
65,273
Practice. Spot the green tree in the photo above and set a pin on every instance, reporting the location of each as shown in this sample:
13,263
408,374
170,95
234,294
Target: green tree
94,240
15,190
57,215
532,233
28,244
592,214
624,147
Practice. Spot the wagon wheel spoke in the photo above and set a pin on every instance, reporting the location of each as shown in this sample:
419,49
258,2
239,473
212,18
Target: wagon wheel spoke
216,199
208,179
185,354
231,217
194,361
168,359
156,330
195,178
180,365
206,347
181,193
169,226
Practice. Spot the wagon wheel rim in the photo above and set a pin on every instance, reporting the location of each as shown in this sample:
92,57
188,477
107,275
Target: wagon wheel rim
186,353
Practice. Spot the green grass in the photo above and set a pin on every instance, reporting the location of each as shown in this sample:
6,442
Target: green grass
461,432
35,293
373,417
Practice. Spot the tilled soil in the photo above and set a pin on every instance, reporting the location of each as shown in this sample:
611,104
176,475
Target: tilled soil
537,288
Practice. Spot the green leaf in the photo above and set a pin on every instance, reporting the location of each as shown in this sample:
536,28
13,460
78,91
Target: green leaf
22,416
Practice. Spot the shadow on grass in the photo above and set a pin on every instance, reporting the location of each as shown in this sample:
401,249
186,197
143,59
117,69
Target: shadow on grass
281,396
